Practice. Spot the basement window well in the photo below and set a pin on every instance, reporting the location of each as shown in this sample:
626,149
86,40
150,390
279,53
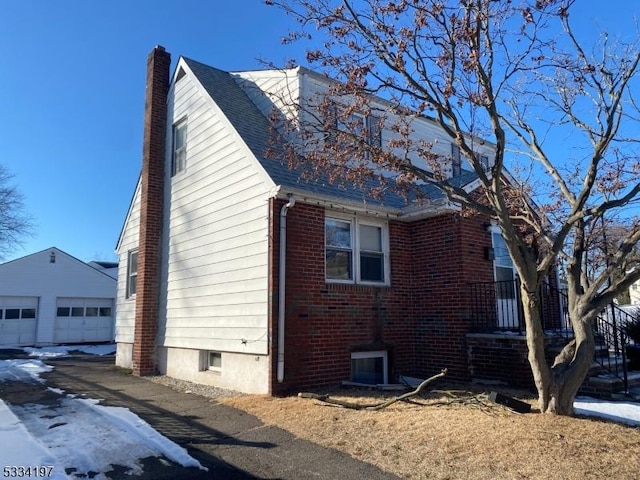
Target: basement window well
369,367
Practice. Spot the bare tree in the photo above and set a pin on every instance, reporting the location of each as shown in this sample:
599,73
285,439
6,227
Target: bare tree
15,224
558,111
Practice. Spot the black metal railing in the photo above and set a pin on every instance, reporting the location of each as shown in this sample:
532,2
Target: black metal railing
611,340
497,307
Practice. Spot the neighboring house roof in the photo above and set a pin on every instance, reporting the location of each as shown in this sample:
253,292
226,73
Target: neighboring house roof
55,252
256,131
104,264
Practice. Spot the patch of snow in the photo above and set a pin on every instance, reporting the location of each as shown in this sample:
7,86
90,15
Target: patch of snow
77,433
137,427
22,370
82,435
63,350
20,448
621,412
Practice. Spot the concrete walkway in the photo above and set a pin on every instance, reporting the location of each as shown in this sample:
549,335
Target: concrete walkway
229,442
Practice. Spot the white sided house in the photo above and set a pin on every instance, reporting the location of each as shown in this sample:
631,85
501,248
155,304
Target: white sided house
51,297
198,286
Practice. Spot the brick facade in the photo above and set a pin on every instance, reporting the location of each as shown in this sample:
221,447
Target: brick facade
152,182
421,318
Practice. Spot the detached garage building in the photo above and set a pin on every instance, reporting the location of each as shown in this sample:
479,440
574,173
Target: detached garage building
51,297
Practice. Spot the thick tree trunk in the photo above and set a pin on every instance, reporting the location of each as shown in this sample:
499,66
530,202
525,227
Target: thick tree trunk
535,344
558,385
572,365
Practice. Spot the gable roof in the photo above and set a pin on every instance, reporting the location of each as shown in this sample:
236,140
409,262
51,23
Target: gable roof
55,252
254,128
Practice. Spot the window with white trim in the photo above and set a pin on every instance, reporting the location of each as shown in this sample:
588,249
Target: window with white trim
179,153
356,250
369,367
367,126
210,360
18,313
132,273
484,162
215,361
456,160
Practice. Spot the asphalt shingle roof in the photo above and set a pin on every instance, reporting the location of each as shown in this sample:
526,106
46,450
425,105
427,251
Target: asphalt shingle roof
255,130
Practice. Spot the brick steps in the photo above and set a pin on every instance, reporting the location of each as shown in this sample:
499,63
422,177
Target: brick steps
600,381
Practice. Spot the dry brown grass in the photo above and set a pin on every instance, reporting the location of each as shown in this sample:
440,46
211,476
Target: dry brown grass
458,441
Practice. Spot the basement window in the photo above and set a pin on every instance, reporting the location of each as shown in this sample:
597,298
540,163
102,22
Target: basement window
369,367
215,361
210,361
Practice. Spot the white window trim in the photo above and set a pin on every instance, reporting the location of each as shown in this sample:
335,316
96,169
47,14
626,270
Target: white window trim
370,126
205,364
174,164
128,293
456,160
376,354
355,222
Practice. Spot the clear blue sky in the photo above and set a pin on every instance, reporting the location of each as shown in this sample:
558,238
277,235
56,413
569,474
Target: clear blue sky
72,96
72,88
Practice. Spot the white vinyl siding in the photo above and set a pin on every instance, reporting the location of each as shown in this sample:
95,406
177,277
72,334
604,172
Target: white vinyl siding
126,305
272,88
216,296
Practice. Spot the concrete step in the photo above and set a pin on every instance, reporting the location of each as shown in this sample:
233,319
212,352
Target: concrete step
607,385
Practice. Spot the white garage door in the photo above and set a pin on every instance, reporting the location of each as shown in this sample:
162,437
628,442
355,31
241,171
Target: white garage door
83,320
18,316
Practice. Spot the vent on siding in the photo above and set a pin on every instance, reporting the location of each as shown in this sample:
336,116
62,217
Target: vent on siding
181,73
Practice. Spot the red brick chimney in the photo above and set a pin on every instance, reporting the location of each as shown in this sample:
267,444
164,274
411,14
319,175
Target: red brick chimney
152,186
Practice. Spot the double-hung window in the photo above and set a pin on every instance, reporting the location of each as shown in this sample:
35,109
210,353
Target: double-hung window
484,162
356,251
456,160
179,156
132,273
367,127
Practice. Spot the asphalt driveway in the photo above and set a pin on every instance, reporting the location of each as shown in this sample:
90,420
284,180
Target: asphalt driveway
229,442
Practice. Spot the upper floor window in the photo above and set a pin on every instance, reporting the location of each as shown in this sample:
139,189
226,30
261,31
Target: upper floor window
456,160
356,251
484,162
179,153
132,273
367,127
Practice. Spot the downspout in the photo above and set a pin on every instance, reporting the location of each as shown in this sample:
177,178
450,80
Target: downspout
282,273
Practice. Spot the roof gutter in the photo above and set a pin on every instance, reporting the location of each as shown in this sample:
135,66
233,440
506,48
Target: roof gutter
282,274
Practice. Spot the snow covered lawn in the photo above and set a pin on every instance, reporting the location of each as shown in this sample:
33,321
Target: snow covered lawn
74,435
